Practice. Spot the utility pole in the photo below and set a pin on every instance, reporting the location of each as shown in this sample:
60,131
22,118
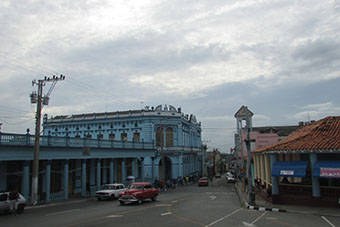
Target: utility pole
40,100
249,175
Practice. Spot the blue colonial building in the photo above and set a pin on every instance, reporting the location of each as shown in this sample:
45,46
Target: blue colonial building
79,153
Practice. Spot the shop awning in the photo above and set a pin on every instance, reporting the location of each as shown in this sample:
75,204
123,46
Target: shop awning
289,169
327,169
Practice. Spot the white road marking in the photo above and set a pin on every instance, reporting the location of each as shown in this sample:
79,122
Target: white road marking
162,205
330,223
259,217
166,214
62,212
212,197
221,219
248,224
253,223
271,218
175,201
114,216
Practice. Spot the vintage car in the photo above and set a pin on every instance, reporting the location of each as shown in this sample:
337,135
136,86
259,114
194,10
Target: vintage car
231,179
138,192
203,181
110,191
5,202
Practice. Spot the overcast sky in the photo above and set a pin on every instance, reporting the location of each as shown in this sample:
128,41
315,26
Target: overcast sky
279,58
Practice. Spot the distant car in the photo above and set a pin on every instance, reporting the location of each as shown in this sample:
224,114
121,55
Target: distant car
110,191
4,202
138,192
218,175
203,181
229,174
231,179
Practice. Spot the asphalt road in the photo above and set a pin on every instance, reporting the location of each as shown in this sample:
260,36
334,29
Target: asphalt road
215,205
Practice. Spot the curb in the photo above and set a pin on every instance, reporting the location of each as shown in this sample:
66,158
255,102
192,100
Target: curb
264,208
245,204
241,196
57,203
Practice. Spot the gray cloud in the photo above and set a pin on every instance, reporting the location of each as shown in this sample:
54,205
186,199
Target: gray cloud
209,57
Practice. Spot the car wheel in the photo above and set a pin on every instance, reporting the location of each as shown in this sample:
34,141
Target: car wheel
99,198
121,202
20,209
154,198
113,197
140,201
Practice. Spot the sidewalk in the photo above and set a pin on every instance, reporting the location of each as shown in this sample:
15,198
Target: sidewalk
61,202
263,205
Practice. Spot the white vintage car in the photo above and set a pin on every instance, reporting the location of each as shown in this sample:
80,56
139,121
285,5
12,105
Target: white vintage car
5,202
110,191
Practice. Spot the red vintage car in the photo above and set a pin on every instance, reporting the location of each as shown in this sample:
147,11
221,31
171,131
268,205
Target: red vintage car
203,181
138,192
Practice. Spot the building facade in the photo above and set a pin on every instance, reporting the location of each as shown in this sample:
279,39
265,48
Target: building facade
80,153
176,136
304,168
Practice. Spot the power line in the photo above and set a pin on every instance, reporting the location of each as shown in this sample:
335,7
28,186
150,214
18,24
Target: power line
72,82
17,123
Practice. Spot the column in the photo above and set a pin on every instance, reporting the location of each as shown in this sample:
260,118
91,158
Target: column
315,180
123,172
142,168
268,169
111,171
153,169
66,179
275,180
48,181
3,176
133,168
98,174
104,172
265,169
116,170
83,178
26,179
180,167
255,166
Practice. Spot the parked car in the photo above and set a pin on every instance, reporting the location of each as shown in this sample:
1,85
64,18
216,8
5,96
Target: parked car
218,175
110,191
231,179
203,181
138,192
4,202
229,174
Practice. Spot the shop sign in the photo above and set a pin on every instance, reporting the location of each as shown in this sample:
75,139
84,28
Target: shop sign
287,172
330,172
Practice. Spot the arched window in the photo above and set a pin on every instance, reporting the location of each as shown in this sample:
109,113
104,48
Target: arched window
159,137
169,137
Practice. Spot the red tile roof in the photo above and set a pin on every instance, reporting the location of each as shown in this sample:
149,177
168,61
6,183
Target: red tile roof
320,135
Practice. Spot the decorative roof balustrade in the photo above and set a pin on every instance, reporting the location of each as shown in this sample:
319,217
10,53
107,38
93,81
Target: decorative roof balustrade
26,139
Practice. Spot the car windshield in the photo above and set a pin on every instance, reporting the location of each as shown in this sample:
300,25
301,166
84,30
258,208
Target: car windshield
136,186
109,187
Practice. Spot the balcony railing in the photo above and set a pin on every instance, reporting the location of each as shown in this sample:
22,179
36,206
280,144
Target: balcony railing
26,140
